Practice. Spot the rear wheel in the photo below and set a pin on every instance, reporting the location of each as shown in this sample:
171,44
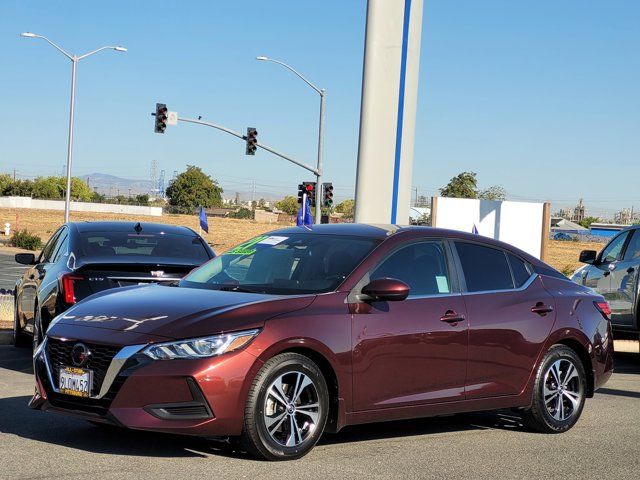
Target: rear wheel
286,409
559,392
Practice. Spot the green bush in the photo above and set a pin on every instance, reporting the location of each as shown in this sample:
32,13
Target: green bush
243,213
26,240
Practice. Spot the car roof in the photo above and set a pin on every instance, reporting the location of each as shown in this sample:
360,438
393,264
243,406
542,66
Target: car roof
127,226
383,231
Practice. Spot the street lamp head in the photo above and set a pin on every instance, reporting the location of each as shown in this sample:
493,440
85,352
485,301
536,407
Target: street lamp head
120,49
262,57
28,35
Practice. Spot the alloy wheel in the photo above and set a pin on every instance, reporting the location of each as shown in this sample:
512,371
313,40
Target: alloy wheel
291,409
563,390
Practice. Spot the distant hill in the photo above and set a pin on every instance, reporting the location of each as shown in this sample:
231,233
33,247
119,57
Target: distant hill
111,185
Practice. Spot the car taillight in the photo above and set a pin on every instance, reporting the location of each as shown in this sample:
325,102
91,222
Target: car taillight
604,309
67,287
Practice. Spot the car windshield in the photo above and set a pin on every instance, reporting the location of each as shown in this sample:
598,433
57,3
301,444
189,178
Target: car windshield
184,248
284,264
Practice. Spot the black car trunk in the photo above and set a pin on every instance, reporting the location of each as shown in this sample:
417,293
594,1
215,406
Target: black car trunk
95,277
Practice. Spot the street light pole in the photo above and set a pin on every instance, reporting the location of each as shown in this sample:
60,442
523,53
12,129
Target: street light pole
67,198
322,92
74,60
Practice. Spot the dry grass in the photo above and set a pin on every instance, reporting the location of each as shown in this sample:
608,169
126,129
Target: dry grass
6,311
563,256
223,232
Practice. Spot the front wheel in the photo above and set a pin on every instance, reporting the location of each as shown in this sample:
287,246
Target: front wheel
559,392
287,408
20,339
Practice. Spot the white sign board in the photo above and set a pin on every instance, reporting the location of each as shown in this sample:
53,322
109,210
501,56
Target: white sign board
172,118
520,224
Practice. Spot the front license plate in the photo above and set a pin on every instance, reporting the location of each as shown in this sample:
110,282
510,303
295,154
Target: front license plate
75,381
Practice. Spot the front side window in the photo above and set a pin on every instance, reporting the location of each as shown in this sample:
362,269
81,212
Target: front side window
485,268
632,251
611,252
422,266
284,264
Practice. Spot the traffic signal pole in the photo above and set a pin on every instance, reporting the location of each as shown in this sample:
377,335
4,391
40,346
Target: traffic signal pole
315,171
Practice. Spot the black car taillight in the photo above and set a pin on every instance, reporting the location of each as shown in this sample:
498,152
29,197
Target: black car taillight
67,287
604,309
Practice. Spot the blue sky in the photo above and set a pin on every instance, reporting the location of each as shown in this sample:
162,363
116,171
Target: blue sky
539,97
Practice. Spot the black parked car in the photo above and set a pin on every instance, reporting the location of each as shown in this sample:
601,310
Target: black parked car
84,258
613,273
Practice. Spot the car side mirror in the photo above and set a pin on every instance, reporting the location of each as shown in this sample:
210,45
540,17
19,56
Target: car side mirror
25,258
386,290
588,256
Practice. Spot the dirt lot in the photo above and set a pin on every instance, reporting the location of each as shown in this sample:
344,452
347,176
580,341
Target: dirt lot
226,232
223,232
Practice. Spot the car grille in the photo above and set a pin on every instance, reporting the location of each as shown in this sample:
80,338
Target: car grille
59,353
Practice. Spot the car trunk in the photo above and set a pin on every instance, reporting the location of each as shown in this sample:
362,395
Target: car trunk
95,277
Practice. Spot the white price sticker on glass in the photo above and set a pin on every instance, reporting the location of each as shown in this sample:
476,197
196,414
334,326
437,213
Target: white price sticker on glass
272,240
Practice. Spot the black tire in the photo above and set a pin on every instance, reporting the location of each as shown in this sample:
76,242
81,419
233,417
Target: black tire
37,328
20,339
270,443
564,401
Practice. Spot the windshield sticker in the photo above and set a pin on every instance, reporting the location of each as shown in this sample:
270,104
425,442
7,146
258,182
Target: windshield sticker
245,248
272,240
443,285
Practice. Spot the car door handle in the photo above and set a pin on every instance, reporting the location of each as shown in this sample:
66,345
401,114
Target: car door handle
541,309
450,316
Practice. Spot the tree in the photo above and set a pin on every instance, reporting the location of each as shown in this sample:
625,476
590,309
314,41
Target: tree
50,188
495,192
5,182
464,185
193,188
288,205
347,208
587,221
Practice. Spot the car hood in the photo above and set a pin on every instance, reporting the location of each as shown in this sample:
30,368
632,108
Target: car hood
178,312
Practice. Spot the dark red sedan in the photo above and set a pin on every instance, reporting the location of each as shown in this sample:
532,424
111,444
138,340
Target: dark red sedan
306,330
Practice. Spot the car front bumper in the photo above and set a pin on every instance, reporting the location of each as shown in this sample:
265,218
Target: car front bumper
204,397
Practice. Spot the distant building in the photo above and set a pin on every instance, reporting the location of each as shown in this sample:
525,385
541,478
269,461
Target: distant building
566,226
606,229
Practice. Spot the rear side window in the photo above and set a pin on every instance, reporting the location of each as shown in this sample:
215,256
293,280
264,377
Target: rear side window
520,270
484,268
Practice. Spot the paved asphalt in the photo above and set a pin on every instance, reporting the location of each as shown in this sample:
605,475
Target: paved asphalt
10,271
604,444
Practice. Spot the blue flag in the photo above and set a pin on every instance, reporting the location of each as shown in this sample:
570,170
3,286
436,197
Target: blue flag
204,224
304,218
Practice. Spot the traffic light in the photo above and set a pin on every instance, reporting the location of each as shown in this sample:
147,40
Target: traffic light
310,189
252,141
161,117
327,194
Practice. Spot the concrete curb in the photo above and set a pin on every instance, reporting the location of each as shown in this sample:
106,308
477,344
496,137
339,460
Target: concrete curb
6,337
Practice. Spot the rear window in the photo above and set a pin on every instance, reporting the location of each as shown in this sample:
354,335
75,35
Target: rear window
484,268
161,245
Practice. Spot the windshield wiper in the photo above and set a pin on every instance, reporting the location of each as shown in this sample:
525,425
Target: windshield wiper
236,288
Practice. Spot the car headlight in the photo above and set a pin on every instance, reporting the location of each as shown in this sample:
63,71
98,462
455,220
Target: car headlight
200,347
